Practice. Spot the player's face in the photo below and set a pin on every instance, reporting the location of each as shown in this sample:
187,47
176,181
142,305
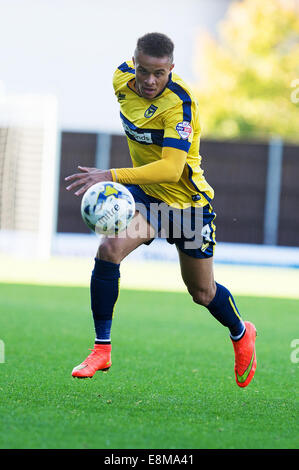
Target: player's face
151,74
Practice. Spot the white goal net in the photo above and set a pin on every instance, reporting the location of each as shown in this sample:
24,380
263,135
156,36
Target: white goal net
28,174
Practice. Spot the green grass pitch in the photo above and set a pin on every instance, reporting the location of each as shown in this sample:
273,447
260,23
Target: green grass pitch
171,385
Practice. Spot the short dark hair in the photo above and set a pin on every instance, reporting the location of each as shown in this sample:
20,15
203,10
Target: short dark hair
155,45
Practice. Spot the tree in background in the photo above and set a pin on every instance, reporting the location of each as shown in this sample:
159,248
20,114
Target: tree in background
249,77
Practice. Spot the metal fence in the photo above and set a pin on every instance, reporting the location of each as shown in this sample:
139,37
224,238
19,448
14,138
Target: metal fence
256,185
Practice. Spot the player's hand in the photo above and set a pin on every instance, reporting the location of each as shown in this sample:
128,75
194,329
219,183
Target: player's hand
87,178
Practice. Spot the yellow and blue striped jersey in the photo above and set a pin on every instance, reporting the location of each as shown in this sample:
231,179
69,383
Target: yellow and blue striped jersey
171,119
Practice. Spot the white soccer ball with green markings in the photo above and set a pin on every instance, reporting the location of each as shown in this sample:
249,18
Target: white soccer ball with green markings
107,208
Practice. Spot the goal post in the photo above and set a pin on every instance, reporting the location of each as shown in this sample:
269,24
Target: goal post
28,174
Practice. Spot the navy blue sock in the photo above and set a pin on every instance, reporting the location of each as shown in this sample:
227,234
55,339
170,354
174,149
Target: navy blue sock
224,309
104,290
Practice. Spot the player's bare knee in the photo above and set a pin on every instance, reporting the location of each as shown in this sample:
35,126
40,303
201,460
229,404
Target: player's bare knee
108,252
202,296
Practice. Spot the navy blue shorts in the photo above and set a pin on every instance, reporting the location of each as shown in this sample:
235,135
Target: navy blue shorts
192,230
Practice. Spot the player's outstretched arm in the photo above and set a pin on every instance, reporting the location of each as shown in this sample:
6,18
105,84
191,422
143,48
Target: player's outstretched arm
166,170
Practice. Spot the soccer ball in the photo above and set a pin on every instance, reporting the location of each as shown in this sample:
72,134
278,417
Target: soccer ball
107,208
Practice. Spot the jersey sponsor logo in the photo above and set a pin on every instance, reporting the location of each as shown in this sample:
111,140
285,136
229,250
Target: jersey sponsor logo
150,111
121,96
184,129
144,137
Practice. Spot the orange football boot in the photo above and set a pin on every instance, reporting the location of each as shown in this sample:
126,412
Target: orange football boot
245,357
98,359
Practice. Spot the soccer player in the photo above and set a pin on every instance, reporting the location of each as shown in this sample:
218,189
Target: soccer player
160,117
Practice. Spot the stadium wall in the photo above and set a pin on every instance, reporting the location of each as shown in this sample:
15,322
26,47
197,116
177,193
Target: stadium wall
242,174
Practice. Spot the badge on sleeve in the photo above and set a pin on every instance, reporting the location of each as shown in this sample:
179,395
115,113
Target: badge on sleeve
184,129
